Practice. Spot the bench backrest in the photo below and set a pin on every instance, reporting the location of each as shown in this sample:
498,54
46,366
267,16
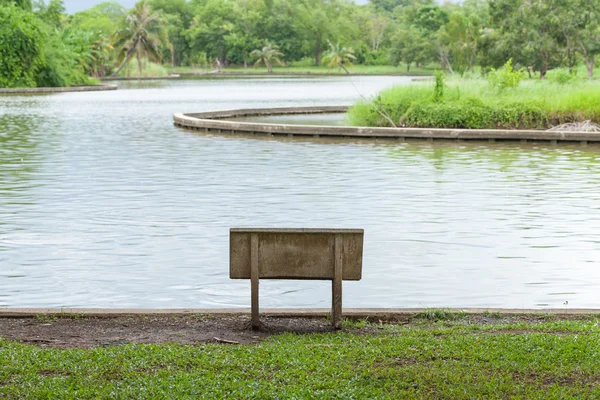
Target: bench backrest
296,253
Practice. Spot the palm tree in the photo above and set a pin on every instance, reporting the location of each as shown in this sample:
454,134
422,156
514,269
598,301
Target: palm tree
339,56
142,33
267,55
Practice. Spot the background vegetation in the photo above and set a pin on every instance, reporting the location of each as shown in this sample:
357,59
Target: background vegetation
45,46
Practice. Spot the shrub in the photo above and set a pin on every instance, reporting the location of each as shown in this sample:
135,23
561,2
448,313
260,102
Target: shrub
378,57
61,65
505,77
562,76
438,89
21,47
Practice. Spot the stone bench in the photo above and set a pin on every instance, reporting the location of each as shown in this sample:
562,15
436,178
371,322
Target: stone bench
317,254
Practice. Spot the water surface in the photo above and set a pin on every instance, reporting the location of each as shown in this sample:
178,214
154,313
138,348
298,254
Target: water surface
104,203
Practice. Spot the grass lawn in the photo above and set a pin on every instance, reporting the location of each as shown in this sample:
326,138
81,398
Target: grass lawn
357,69
438,355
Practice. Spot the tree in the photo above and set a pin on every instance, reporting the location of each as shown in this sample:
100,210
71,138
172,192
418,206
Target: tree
21,47
339,56
177,15
103,18
463,32
409,45
317,23
141,34
51,13
247,30
528,32
268,54
24,4
585,31
379,25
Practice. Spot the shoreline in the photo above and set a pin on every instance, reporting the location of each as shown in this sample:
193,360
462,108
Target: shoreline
144,78
353,313
95,88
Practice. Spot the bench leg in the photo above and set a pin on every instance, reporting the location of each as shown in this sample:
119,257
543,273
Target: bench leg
254,280
336,303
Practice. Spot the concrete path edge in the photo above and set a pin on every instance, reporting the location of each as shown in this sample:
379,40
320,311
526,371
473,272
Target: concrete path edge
355,313
224,122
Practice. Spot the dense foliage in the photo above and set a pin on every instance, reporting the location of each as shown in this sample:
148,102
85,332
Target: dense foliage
37,50
458,37
21,47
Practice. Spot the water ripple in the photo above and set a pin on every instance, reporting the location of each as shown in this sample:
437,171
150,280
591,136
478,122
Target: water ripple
103,203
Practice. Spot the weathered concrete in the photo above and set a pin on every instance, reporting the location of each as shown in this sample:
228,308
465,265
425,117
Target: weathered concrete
275,74
96,88
324,254
217,121
281,312
145,78
296,253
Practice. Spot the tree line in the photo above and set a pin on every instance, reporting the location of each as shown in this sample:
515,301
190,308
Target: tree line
45,46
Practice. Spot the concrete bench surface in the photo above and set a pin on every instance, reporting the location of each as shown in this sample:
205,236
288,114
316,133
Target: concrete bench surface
296,253
318,254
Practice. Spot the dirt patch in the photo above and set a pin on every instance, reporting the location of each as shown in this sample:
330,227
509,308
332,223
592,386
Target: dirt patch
572,379
73,331
103,332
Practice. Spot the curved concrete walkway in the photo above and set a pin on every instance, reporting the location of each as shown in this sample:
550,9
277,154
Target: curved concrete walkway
221,122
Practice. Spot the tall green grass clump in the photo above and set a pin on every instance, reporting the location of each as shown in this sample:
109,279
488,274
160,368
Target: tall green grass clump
477,104
149,70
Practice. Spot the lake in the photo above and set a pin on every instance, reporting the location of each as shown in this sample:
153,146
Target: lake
104,203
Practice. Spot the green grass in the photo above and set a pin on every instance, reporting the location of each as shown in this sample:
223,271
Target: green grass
435,314
150,70
357,69
458,359
474,104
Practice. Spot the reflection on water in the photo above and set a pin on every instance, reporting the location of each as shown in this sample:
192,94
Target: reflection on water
104,203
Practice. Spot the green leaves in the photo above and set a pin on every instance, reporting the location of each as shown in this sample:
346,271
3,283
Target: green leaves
21,47
505,77
268,55
141,34
339,56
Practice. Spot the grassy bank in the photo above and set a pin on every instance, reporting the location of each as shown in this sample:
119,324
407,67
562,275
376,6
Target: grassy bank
322,70
475,104
436,355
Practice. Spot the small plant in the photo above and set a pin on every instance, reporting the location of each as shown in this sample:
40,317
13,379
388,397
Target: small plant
562,76
440,85
492,314
435,314
505,77
354,323
46,318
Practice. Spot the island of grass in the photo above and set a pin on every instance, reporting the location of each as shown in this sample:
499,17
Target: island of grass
477,104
